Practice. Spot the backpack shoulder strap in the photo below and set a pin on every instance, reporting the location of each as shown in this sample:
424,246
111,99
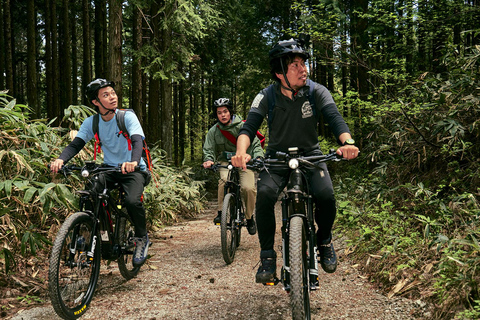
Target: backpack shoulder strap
98,143
271,102
311,96
120,116
228,135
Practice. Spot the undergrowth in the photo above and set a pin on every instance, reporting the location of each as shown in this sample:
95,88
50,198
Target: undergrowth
410,203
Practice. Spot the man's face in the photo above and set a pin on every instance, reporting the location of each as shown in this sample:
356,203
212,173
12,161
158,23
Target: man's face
296,74
223,115
108,99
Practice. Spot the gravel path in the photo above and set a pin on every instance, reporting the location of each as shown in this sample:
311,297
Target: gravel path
186,278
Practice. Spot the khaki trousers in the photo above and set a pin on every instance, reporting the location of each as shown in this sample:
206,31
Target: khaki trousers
248,190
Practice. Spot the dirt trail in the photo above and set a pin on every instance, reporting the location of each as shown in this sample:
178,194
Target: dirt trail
186,278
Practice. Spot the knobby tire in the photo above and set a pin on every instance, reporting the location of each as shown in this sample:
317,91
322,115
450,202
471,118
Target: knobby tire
229,235
299,274
124,239
71,279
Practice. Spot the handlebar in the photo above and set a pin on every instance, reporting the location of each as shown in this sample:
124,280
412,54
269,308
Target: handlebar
91,168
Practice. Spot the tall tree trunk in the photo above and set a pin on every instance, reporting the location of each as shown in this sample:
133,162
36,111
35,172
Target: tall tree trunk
192,113
2,45
7,20
166,85
176,144
66,61
48,60
55,65
73,32
87,50
32,96
154,106
181,119
136,100
100,36
115,47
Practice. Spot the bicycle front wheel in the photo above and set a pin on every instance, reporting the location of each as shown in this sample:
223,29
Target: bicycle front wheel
299,277
125,234
229,231
72,275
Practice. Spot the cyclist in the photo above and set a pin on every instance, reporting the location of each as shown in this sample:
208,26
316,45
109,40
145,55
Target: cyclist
217,143
293,123
101,93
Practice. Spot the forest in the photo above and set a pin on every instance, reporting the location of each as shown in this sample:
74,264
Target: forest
403,73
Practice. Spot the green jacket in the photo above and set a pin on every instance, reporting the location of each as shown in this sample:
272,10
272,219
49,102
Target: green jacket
216,143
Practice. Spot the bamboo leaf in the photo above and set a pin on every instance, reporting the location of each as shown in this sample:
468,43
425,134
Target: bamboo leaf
29,194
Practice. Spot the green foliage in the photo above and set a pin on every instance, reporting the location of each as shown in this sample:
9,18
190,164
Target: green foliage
33,202
410,203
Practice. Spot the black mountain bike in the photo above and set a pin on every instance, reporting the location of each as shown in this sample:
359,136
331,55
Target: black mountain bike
299,273
102,229
233,212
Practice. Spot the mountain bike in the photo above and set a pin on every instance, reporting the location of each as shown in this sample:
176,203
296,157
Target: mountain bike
102,229
233,212
299,273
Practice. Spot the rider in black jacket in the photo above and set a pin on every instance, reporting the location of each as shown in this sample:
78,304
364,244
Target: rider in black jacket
293,123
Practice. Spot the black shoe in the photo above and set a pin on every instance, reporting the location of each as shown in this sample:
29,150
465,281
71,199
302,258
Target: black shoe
328,258
268,267
251,227
218,218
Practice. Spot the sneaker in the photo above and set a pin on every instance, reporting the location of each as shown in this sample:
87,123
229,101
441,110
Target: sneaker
141,250
268,267
328,258
218,218
251,227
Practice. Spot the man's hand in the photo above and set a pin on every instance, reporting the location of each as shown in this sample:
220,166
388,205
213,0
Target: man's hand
56,165
129,166
348,152
208,164
240,160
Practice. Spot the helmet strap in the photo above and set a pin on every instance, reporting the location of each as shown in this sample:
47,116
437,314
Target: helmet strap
294,92
108,110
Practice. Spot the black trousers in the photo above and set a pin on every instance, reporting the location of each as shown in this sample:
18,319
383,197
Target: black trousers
133,184
270,185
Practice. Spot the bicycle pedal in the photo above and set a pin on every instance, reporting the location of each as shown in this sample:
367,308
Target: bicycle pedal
272,283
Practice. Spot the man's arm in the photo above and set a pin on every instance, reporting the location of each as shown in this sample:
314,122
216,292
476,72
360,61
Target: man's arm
68,153
241,158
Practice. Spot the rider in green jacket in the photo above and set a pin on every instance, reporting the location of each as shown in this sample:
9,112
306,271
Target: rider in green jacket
216,147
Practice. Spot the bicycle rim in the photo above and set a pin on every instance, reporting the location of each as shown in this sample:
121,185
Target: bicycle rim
126,245
299,276
72,277
229,234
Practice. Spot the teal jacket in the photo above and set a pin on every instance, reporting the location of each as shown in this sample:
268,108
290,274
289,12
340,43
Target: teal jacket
216,143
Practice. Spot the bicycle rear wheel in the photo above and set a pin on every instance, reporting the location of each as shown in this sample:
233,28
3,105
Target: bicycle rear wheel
72,276
229,232
126,245
299,276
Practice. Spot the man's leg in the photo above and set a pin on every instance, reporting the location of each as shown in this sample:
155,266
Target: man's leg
249,193
325,212
269,186
220,194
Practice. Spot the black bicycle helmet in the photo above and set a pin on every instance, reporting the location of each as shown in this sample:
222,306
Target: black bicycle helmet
222,102
92,88
285,47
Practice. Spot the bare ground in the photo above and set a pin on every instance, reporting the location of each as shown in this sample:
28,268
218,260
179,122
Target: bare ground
186,278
